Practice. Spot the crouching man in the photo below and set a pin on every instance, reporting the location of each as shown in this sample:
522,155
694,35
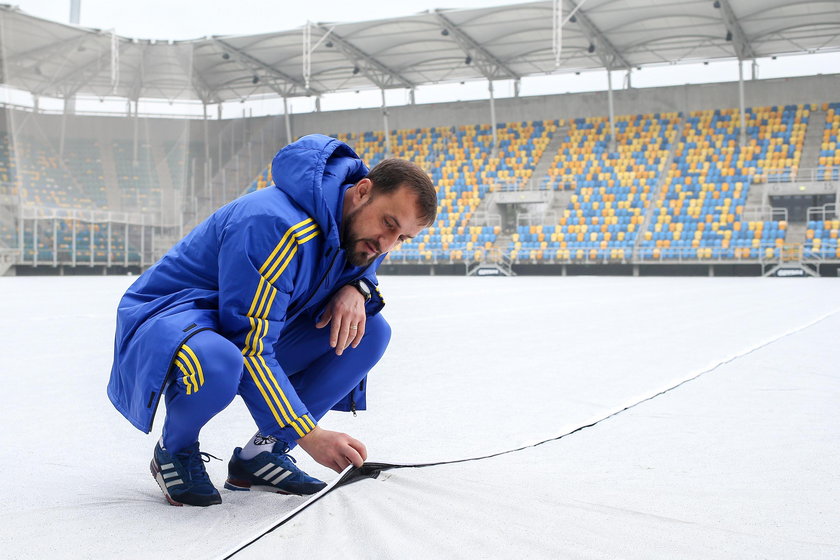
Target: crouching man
274,298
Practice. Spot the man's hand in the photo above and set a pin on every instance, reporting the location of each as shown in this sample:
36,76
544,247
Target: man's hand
333,449
346,312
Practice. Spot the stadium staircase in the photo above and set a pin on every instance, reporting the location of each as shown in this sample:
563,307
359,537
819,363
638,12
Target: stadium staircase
540,174
661,186
813,140
791,257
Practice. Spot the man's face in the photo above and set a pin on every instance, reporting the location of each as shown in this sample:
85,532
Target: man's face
375,224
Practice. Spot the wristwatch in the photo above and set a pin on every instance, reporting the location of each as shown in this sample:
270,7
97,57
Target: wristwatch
363,288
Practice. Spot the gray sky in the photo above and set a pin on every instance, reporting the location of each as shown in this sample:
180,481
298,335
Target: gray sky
190,19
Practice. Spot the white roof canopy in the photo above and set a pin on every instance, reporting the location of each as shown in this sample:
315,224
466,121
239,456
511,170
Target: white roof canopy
436,46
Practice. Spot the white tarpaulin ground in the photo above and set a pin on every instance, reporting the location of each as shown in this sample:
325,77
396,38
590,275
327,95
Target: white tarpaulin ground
741,462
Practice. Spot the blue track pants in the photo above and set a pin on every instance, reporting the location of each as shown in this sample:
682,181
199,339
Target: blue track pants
208,373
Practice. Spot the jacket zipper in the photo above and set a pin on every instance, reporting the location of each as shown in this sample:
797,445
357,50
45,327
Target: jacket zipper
166,377
320,283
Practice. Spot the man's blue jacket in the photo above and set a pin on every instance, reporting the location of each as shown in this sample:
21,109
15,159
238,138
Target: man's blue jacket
246,271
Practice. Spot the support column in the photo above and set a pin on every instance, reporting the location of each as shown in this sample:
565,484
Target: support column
134,159
75,10
385,125
741,102
110,247
207,168
62,131
35,240
73,243
493,116
55,241
288,121
612,109
142,240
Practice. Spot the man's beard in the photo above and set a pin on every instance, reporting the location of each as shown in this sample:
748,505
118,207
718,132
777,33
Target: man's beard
349,242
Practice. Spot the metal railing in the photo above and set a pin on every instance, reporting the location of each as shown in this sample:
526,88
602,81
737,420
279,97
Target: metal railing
822,213
805,175
486,219
89,216
764,214
764,254
543,184
534,219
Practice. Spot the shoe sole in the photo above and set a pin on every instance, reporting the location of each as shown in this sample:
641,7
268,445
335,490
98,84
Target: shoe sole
159,479
240,485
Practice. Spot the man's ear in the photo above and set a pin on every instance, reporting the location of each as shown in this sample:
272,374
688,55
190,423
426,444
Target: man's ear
364,189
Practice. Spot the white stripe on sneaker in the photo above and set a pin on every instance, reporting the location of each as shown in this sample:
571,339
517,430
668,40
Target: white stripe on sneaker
174,482
262,470
167,466
281,477
273,473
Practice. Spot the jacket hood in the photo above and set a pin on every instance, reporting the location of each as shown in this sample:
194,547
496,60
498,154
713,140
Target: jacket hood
312,171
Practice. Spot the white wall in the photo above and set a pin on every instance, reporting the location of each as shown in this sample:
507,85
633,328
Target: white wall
783,91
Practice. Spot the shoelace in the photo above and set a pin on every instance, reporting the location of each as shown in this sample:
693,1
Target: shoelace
195,464
285,451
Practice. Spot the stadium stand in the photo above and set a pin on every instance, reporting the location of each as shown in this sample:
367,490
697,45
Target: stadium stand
700,209
464,167
138,181
821,239
829,158
672,188
611,189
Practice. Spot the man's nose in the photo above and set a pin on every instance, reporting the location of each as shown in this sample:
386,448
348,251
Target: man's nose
389,240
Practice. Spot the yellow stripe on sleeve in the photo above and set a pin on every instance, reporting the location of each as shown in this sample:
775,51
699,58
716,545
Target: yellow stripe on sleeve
270,271
283,240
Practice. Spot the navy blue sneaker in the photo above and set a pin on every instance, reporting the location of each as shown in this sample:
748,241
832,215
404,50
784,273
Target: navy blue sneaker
273,471
183,478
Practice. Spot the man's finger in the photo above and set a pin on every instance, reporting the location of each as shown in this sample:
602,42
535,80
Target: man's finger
354,457
335,333
325,320
359,447
360,332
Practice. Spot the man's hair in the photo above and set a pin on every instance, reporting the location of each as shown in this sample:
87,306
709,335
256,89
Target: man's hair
391,174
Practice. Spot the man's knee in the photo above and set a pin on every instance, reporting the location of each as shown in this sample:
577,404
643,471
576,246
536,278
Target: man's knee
377,335
218,360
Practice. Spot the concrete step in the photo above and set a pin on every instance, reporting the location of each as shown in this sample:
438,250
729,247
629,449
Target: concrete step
813,140
541,169
796,233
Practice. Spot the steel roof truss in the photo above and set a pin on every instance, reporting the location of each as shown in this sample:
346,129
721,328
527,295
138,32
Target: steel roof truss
205,93
489,65
743,48
253,64
77,72
381,75
56,45
610,56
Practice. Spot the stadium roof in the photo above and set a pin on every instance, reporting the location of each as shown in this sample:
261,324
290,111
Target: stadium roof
504,42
